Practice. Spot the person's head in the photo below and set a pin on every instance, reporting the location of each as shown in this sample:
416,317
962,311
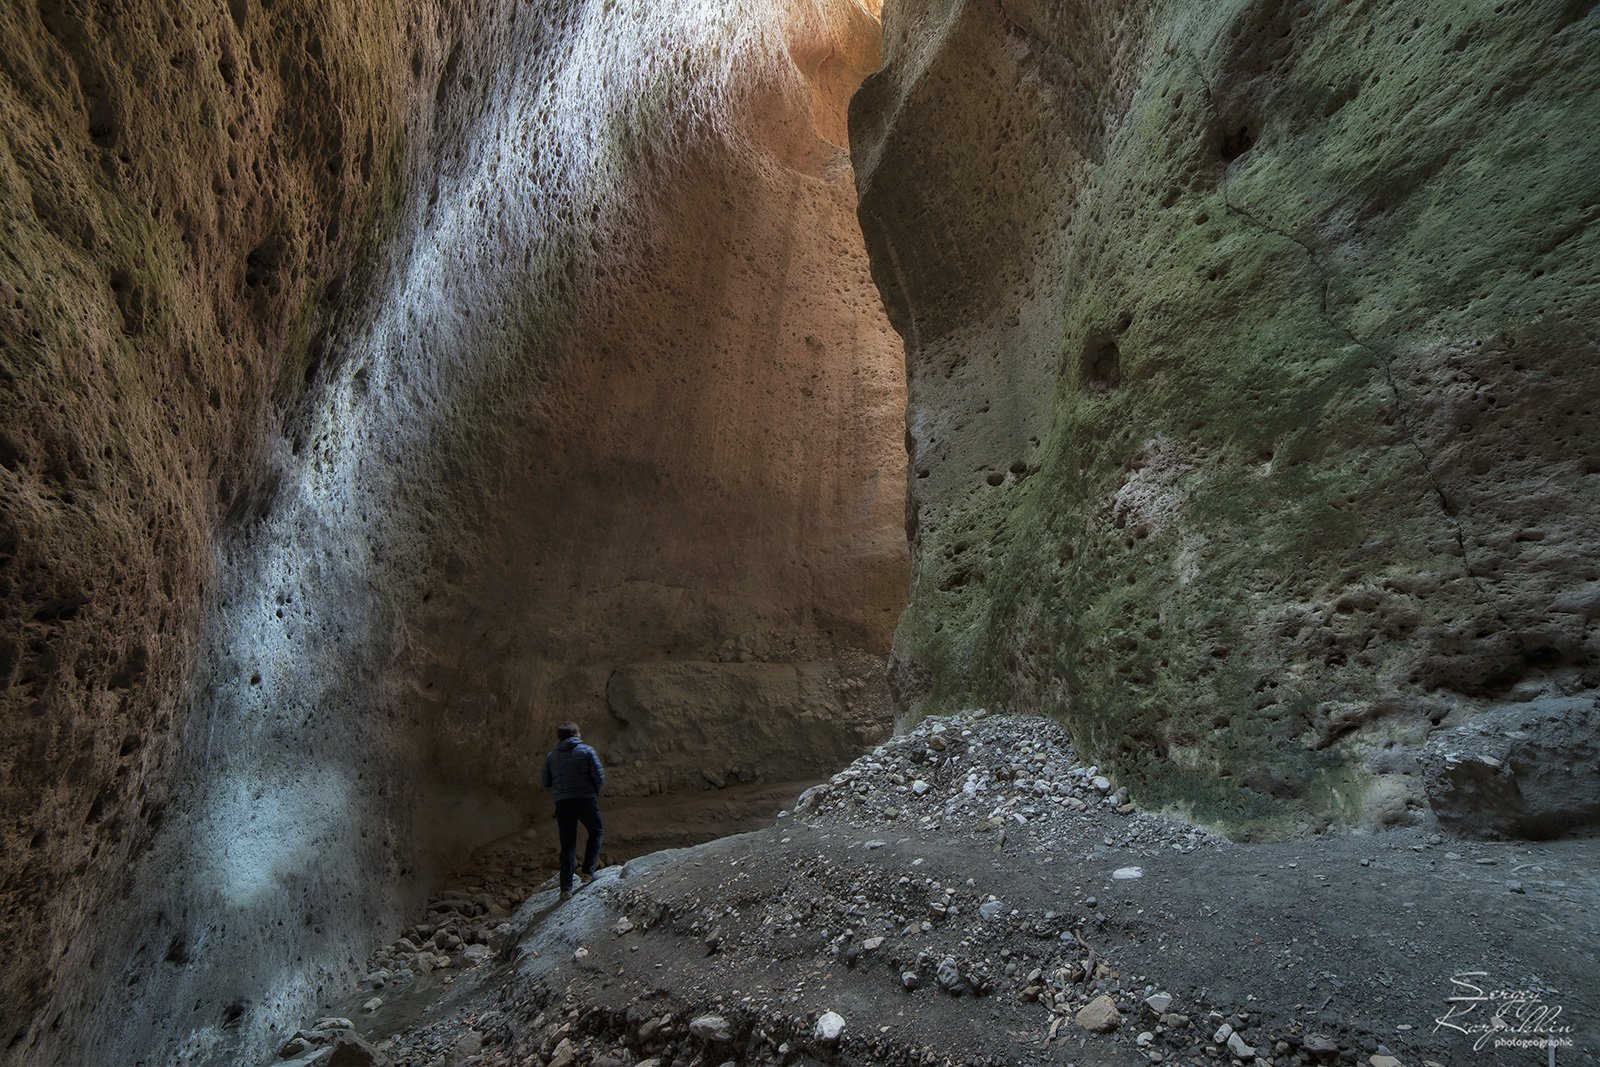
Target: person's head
566,730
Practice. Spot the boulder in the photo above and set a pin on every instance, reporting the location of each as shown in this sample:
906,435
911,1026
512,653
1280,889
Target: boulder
1529,770
351,1051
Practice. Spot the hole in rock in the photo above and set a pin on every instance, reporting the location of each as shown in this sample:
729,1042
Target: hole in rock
1102,365
1235,144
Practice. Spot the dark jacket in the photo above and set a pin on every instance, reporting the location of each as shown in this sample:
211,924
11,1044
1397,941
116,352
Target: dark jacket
573,770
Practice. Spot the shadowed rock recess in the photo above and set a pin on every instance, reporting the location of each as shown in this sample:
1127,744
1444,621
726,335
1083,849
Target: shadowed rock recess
385,384
1253,391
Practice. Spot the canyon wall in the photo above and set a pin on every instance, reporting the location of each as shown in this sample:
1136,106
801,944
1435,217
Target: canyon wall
1253,381
383,388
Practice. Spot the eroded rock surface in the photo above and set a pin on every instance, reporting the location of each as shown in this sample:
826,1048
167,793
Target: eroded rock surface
378,381
1253,377
189,192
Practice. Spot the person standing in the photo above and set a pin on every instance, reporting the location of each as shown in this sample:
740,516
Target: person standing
573,774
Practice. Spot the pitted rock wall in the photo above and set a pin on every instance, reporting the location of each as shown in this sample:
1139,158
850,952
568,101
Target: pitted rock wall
1253,378
362,420
189,191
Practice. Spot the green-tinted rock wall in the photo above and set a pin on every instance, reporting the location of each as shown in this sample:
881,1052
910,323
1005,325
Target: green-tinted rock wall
1254,378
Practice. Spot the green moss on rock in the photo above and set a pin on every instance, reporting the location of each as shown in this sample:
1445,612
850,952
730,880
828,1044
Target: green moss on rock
1303,311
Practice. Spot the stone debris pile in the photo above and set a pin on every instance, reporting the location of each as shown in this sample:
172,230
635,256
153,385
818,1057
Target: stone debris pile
458,932
992,774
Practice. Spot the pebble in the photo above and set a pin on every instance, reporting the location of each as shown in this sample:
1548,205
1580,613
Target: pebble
1237,1046
711,1028
565,1054
1158,1003
294,1047
830,1025
1100,1015
1125,874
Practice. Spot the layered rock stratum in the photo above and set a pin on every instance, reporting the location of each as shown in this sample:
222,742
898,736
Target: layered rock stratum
383,386
1253,378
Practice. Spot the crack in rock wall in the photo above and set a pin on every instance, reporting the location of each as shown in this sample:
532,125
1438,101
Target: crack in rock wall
1254,381
384,388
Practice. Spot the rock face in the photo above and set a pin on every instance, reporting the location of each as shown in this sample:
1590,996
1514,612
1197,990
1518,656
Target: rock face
188,194
689,723
1253,377
379,380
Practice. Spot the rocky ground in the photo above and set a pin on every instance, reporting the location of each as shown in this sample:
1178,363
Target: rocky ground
970,893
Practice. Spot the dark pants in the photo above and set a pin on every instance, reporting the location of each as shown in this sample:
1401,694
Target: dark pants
569,813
